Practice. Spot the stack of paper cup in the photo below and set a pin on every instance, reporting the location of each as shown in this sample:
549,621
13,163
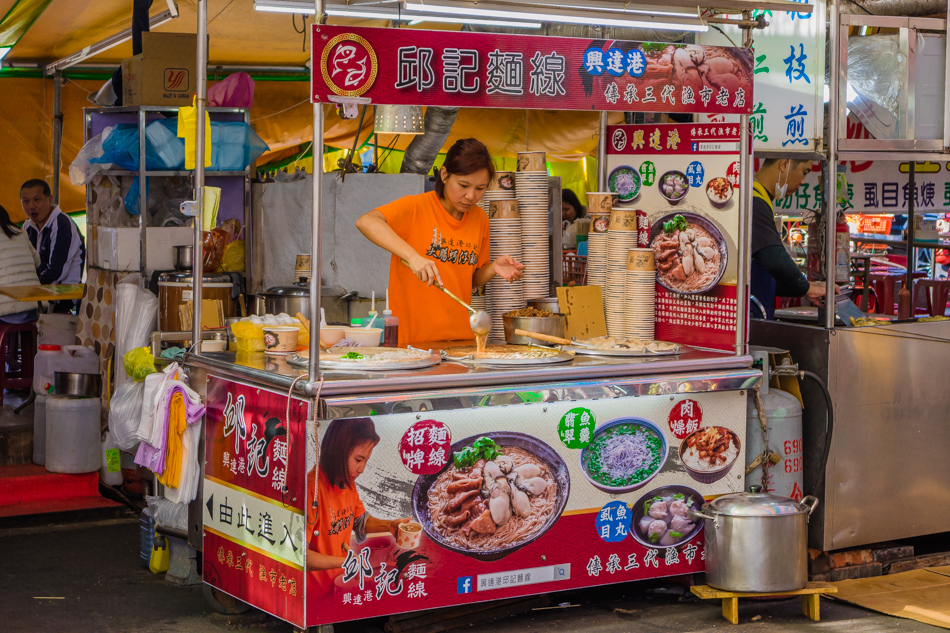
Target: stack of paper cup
505,225
534,203
640,295
598,210
621,237
501,187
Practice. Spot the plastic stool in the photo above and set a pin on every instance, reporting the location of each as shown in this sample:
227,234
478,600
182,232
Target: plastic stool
886,287
17,349
935,293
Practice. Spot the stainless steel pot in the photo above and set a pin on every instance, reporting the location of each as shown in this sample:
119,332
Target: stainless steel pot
288,299
79,385
553,325
184,257
756,541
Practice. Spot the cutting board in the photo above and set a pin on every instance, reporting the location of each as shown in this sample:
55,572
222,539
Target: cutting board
583,306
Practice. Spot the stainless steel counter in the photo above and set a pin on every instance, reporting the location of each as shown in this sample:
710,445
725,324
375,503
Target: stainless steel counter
888,386
276,372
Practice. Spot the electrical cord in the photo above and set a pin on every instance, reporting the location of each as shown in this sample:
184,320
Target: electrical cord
829,427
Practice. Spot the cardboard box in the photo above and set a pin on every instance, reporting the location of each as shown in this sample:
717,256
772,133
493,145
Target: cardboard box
120,248
164,73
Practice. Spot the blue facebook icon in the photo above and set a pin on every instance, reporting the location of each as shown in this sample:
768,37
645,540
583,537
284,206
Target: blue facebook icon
466,584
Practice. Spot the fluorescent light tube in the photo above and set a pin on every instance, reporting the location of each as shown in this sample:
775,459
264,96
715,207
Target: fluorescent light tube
354,11
596,19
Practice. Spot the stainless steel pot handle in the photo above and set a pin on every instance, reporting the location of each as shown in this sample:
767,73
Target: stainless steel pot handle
811,503
702,515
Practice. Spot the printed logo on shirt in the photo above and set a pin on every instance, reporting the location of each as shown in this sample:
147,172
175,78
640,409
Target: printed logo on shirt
340,519
452,251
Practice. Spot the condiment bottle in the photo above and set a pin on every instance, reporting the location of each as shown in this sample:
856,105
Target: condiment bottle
391,329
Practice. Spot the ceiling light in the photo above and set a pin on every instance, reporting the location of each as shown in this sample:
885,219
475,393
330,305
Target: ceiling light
599,18
399,119
381,13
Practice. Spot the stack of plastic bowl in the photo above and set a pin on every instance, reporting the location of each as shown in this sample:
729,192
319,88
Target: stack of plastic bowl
535,207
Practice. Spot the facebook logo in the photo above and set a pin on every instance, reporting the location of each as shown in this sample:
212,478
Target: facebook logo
466,584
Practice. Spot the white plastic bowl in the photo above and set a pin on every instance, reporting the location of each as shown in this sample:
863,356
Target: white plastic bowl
365,337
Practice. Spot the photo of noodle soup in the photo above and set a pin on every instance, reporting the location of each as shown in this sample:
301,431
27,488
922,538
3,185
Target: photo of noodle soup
690,253
624,455
500,492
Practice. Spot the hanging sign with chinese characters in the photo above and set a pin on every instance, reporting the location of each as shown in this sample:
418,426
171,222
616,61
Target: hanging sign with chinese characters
789,74
689,179
451,507
254,545
489,70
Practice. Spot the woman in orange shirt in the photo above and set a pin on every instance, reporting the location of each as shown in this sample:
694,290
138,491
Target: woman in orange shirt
335,507
443,235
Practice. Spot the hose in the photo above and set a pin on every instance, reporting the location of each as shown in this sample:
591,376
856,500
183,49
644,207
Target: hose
829,428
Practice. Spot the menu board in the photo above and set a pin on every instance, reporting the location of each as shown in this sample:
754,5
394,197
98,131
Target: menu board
419,511
686,178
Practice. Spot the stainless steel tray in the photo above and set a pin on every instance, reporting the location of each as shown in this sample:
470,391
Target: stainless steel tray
623,352
356,365
562,357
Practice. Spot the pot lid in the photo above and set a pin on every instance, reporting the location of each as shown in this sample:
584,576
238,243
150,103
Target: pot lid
755,504
185,276
287,291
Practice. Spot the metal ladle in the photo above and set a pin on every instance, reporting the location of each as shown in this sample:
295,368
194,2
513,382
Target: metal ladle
478,320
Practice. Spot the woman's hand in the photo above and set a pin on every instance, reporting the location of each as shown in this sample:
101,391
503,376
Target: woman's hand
425,269
508,268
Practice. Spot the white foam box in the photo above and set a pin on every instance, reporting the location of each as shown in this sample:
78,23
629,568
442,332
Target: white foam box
120,248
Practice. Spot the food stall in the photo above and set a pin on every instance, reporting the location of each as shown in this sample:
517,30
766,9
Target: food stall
525,470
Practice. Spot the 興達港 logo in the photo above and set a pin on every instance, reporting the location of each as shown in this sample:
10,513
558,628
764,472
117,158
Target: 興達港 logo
348,65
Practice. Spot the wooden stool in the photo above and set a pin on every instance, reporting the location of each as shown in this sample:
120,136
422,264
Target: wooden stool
935,293
730,599
17,349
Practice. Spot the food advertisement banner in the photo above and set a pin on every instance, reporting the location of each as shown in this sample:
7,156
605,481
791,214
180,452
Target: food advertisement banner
686,178
425,510
492,70
254,546
788,112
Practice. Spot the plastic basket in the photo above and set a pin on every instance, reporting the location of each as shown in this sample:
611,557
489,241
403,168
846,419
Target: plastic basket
574,269
878,224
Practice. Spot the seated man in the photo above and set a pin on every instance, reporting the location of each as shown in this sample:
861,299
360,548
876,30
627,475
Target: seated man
55,237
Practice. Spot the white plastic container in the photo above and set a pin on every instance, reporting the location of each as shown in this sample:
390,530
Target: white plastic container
71,358
73,443
39,430
110,473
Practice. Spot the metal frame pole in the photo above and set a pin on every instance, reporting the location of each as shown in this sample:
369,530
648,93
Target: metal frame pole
602,153
201,73
831,165
57,131
745,222
313,368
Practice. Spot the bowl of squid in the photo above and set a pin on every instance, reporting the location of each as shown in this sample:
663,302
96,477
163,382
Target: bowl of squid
498,493
690,253
662,517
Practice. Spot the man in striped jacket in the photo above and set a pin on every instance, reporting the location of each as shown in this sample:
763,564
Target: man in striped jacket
55,237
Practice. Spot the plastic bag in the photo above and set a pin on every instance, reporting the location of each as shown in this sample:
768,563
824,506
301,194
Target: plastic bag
188,130
249,336
213,251
234,91
132,201
136,317
168,514
164,150
139,363
234,146
125,414
232,261
108,203
82,169
121,147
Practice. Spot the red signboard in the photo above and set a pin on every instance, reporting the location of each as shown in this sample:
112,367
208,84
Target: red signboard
490,70
253,494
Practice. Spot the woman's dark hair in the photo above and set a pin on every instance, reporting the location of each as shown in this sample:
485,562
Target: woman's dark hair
341,438
9,228
568,196
465,157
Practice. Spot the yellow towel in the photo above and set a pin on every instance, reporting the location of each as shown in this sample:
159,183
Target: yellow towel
177,423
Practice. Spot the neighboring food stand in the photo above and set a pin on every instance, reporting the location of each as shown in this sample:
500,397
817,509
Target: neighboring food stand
587,465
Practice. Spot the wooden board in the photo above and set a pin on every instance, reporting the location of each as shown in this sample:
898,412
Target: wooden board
583,307
811,594
51,292
212,314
